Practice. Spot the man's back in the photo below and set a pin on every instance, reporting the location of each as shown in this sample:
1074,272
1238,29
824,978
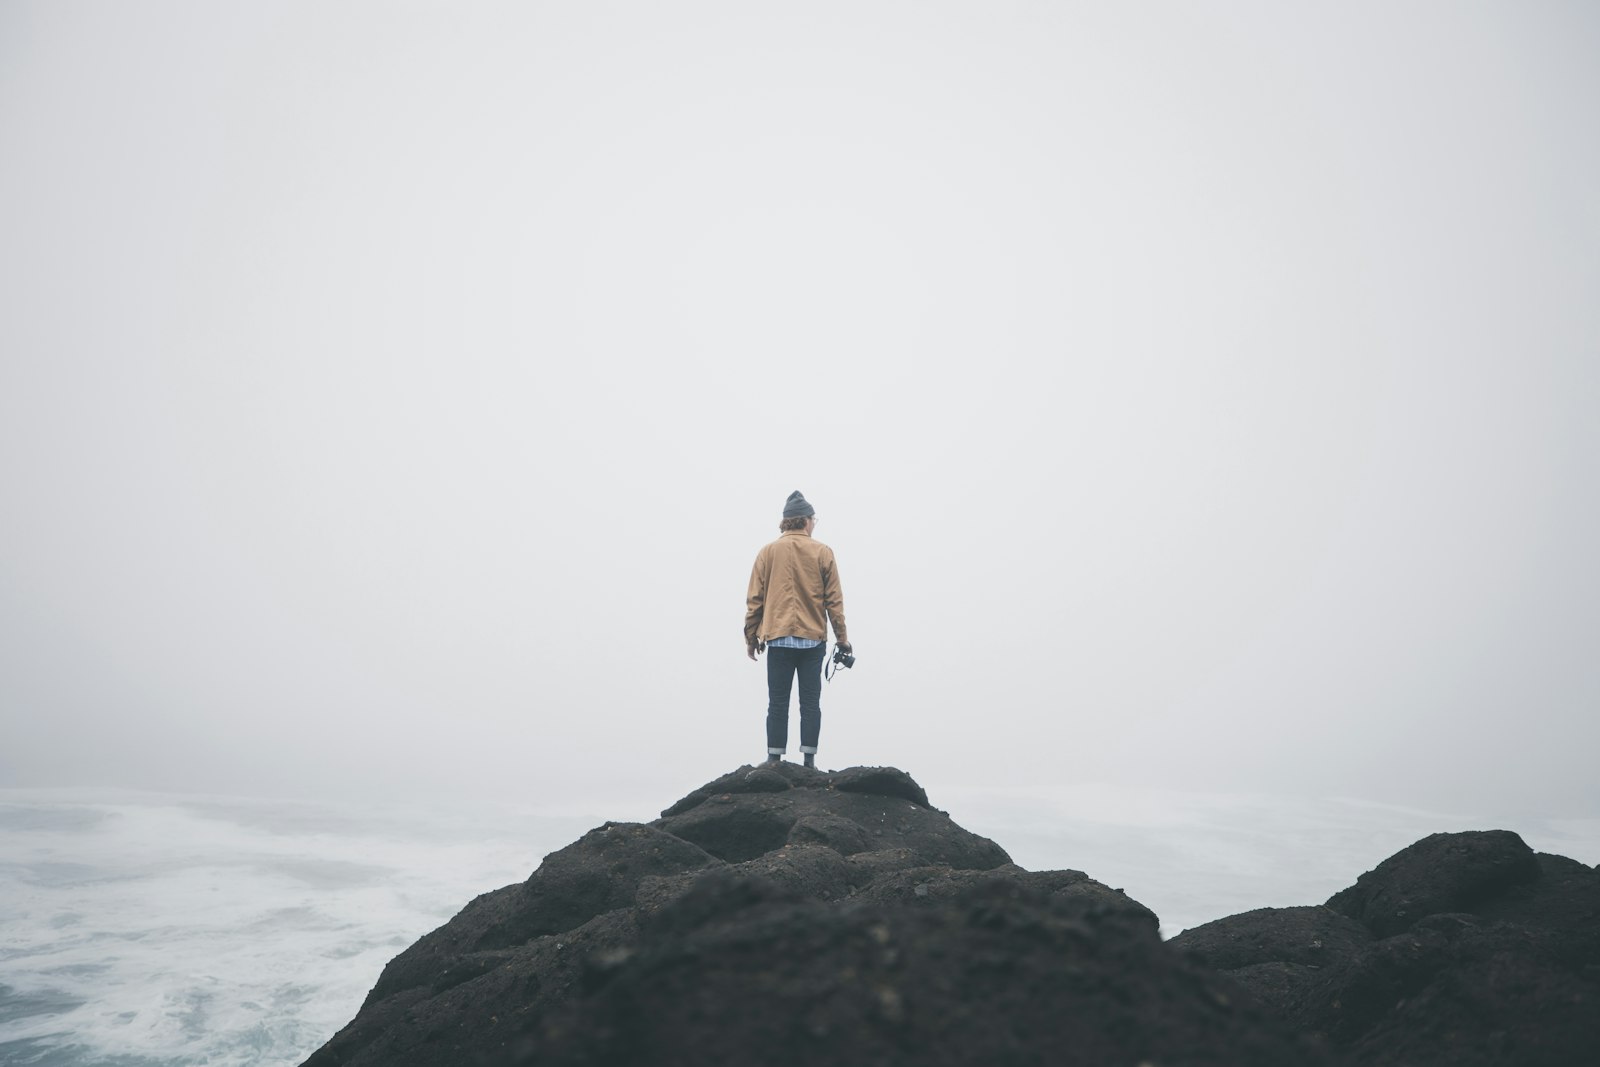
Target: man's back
795,591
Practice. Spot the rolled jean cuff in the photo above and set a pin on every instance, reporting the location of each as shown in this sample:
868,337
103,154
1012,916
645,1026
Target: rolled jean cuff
809,749
774,751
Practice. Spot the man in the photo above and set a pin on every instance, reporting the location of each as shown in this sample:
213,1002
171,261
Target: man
794,587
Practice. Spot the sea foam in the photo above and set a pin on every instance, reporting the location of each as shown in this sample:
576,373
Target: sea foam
168,931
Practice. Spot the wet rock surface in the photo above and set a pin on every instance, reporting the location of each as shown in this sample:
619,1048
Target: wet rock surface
781,915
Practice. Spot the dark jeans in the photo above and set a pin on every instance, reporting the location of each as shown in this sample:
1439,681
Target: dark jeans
782,666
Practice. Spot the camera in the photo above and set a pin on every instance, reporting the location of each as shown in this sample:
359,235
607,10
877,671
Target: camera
841,658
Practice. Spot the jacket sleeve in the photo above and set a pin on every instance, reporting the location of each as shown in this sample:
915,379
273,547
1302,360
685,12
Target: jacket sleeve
755,600
833,598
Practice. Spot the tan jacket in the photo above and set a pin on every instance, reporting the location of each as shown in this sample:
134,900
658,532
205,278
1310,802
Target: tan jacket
794,582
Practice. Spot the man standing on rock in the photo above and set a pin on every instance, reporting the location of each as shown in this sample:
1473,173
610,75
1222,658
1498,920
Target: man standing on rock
794,584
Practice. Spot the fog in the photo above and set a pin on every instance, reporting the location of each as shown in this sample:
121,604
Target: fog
393,397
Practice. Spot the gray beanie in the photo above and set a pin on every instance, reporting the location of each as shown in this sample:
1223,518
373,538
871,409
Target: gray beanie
797,507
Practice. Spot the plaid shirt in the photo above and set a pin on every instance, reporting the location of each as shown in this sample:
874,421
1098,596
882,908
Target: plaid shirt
792,642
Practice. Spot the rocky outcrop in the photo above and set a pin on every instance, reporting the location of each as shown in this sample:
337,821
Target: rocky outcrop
1440,873
782,915
1463,949
779,915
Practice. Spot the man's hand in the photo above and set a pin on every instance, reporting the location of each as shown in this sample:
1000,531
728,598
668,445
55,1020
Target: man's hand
845,647
759,646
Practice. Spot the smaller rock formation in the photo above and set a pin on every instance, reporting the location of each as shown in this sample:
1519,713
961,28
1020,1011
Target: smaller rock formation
1461,950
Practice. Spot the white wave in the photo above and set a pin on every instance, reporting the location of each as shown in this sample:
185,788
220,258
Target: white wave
226,932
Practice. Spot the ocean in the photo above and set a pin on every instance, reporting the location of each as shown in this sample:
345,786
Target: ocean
152,930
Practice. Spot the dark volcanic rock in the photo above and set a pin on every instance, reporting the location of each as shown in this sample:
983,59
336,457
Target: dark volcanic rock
1563,902
763,779
831,831
736,825
1462,950
598,873
1278,953
882,782
1314,937
738,972
1442,872
782,915
1458,991
931,886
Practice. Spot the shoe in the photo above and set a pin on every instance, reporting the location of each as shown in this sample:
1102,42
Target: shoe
811,760
771,759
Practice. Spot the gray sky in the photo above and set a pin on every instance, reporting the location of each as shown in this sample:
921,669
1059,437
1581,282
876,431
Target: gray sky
394,396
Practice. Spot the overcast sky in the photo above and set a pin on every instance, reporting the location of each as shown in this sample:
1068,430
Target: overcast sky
394,396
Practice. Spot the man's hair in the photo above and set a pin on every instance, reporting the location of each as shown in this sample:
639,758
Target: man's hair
793,522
